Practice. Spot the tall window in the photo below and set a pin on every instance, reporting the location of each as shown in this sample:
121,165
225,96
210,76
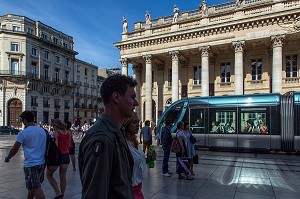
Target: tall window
56,103
46,55
66,76
33,69
44,36
78,68
57,74
57,59
197,75
170,77
14,47
291,64
85,71
34,101
46,72
16,28
256,72
15,67
66,62
225,72
65,45
30,31
34,52
55,40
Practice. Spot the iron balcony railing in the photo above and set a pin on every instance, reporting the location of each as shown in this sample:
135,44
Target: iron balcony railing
18,73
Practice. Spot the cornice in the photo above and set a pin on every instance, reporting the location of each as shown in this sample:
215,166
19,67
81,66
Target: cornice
209,29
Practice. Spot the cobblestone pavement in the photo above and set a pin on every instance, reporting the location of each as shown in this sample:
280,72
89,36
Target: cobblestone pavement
220,175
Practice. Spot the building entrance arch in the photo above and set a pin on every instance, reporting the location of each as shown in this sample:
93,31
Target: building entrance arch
14,111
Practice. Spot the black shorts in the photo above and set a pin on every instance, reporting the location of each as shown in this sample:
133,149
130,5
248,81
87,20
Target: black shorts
72,150
34,176
65,159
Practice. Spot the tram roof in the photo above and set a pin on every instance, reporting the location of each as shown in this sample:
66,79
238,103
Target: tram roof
237,100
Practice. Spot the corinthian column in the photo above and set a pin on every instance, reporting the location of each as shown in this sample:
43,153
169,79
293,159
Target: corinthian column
204,70
137,76
124,66
277,42
175,79
148,88
238,67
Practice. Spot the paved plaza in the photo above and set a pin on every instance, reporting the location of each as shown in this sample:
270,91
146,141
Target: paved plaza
220,175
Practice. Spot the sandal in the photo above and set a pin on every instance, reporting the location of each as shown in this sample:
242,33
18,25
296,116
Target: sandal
59,196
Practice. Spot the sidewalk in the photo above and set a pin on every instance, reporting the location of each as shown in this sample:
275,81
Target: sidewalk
220,175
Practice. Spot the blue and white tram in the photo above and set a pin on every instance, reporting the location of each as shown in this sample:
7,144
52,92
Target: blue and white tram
260,122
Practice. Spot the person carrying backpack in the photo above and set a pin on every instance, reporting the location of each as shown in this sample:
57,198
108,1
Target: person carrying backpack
33,140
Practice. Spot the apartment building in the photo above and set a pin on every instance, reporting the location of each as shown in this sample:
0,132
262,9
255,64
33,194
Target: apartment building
39,72
86,92
234,48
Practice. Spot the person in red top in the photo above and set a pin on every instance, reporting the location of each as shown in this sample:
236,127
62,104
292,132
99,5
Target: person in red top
63,141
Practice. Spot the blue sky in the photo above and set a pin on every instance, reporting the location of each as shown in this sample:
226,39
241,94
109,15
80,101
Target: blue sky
96,25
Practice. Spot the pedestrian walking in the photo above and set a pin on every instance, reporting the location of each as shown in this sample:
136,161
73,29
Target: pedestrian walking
105,161
146,135
166,145
63,141
139,168
33,140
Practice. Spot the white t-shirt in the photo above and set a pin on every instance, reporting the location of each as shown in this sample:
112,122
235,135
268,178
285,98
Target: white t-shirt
139,167
33,140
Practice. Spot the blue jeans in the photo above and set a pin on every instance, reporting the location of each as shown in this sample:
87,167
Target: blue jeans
165,163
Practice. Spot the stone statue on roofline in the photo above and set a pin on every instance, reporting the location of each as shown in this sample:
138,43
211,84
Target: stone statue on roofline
203,8
148,18
176,14
238,3
125,25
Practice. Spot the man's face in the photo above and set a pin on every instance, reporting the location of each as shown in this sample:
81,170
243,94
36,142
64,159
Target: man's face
128,103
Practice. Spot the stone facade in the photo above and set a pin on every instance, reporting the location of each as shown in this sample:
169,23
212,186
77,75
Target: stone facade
38,71
247,47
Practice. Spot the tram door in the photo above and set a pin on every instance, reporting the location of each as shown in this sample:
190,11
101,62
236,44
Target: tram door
197,125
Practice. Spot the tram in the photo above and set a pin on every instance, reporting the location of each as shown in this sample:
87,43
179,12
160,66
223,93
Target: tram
258,122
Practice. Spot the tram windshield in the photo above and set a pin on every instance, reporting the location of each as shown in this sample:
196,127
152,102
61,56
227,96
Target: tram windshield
173,113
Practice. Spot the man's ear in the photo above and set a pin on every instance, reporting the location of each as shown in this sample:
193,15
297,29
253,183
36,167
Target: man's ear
115,97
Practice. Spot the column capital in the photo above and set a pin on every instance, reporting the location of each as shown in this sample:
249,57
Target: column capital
204,51
277,40
238,46
147,58
174,54
123,61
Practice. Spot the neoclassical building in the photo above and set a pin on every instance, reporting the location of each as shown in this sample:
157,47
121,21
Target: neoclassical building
234,48
39,72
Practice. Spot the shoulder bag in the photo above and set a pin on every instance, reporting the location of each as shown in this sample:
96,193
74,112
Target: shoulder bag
192,138
175,146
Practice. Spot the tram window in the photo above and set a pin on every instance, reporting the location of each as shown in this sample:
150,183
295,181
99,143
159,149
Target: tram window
174,113
222,121
196,118
254,121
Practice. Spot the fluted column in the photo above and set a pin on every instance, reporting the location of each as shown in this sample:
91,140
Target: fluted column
124,66
137,76
238,67
148,88
204,70
175,79
277,42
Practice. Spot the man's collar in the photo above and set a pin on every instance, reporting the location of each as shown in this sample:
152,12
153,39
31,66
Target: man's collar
111,124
